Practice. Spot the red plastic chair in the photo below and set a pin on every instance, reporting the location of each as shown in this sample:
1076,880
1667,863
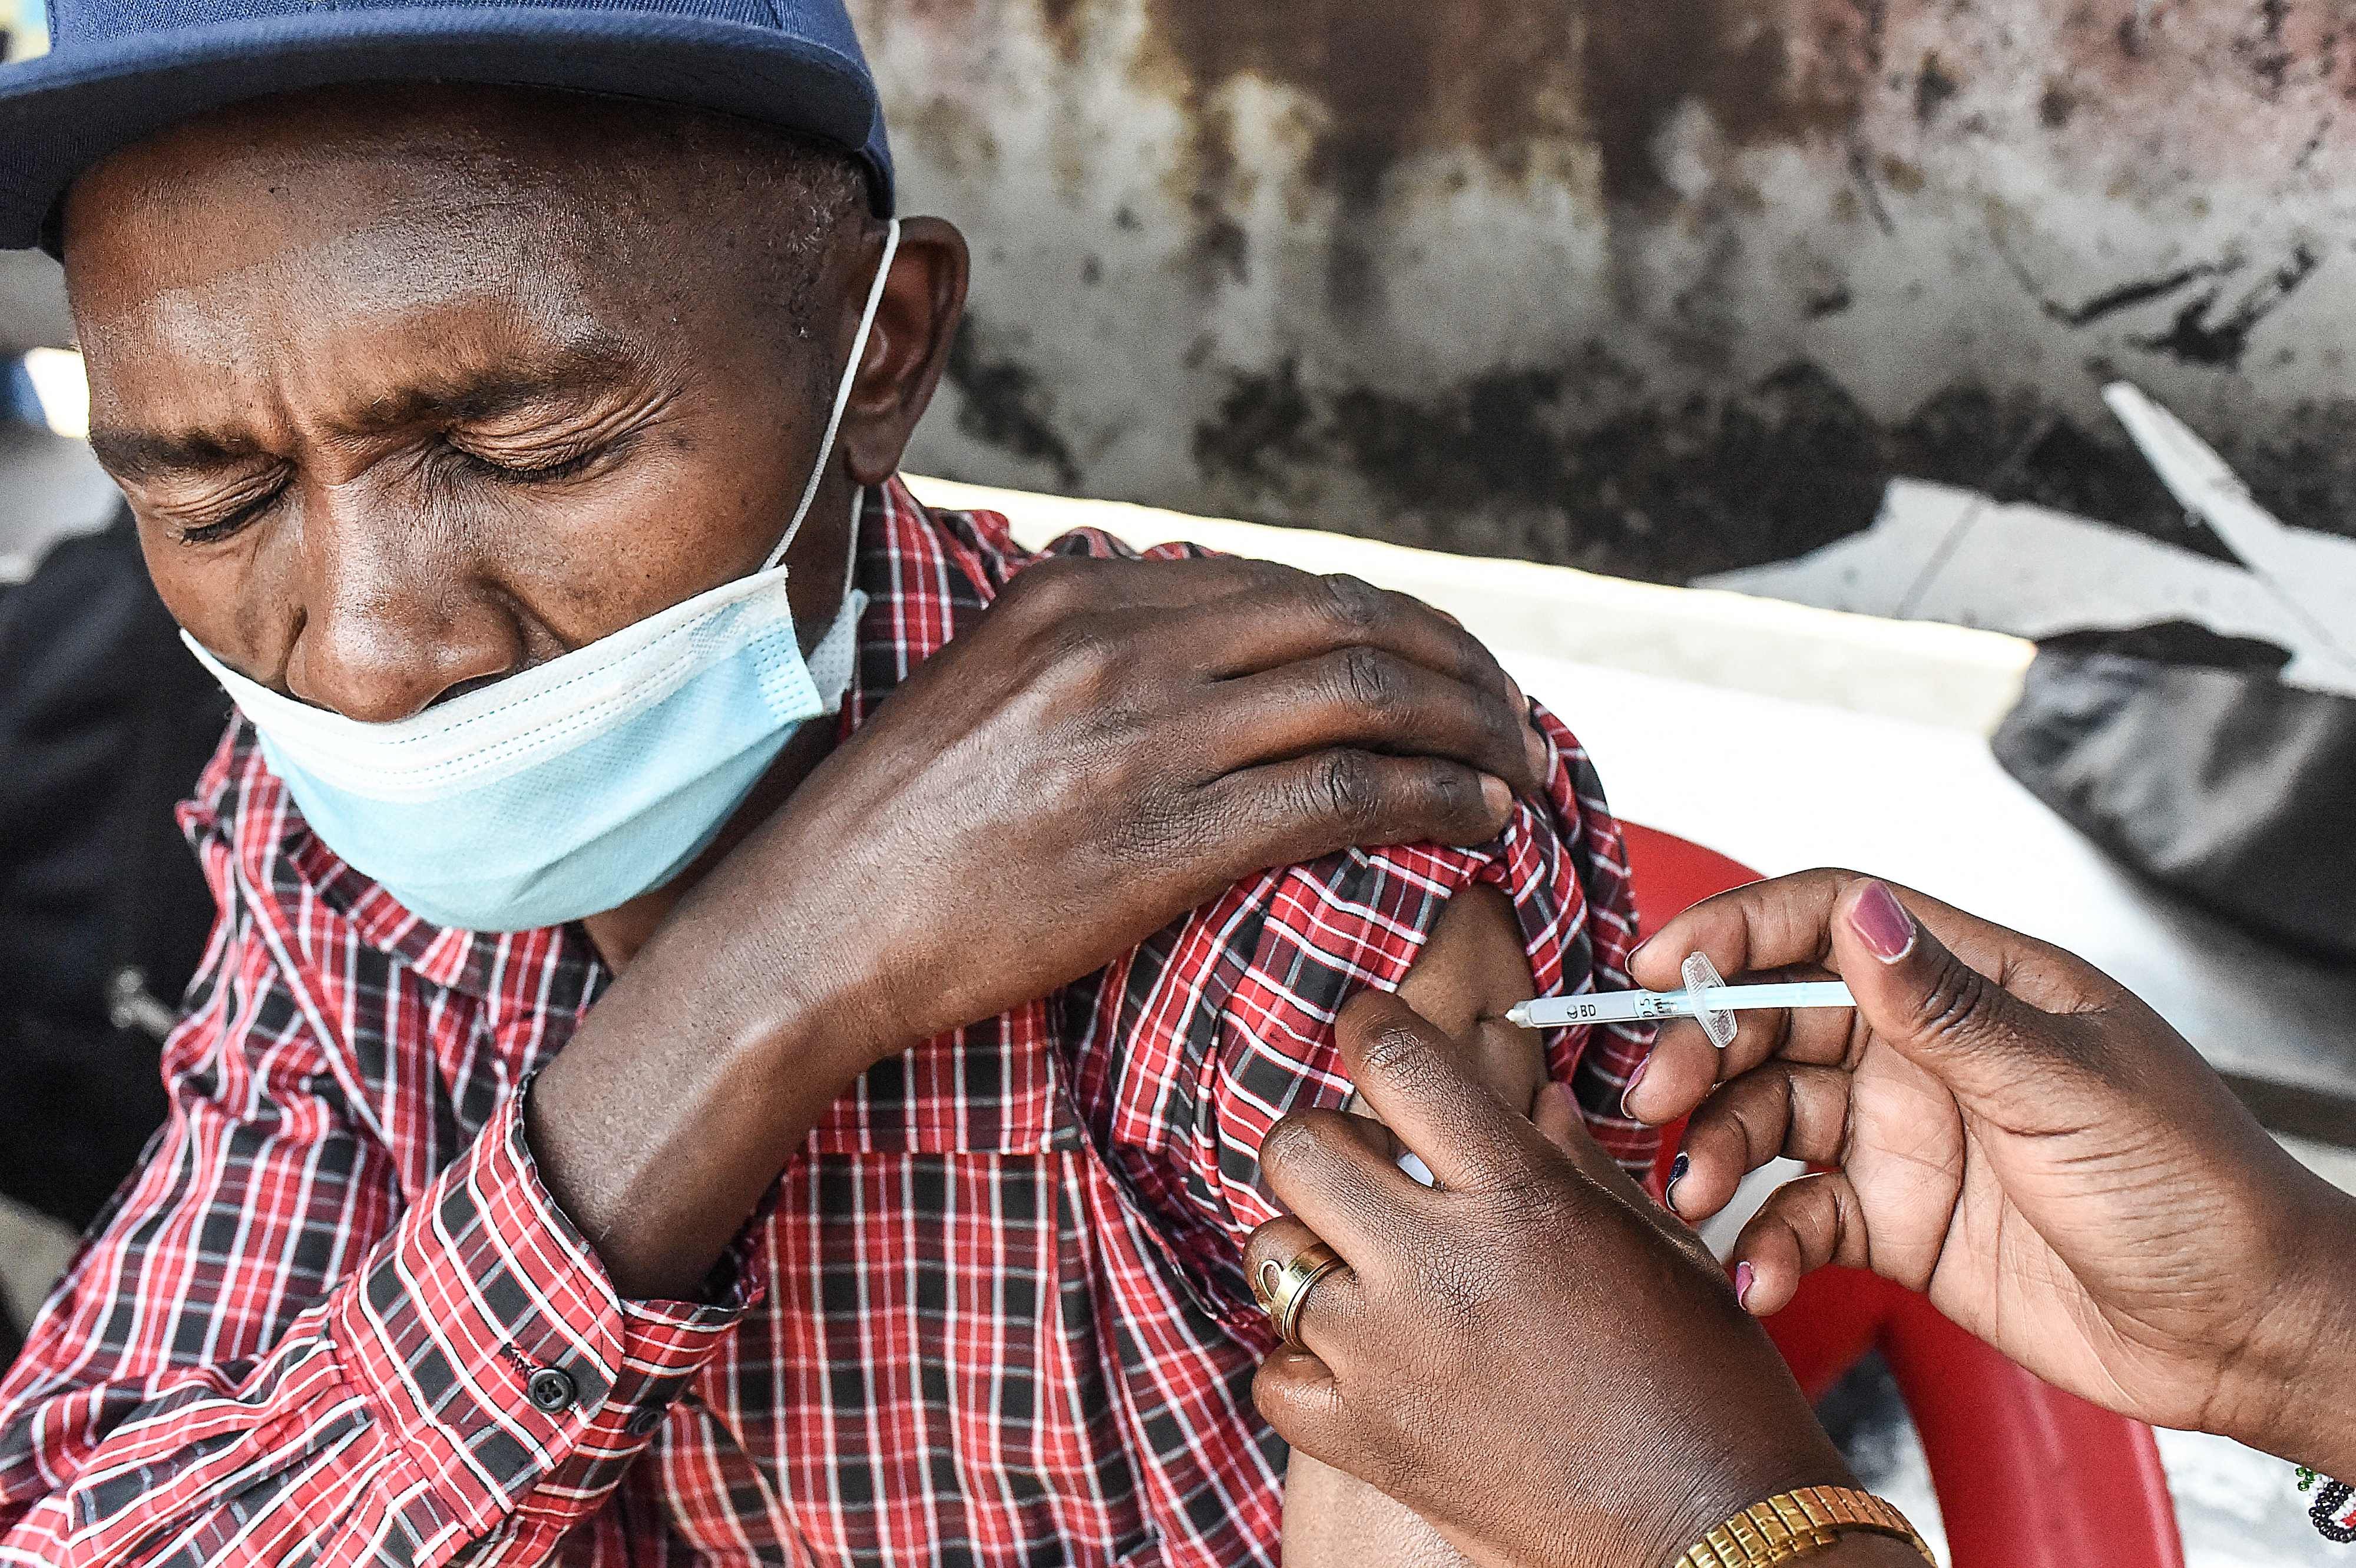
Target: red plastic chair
2028,1476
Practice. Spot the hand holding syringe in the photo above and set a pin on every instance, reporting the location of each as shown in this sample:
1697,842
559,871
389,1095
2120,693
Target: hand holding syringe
1707,997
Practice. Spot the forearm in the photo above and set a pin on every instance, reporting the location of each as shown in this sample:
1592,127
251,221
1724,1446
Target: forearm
662,1123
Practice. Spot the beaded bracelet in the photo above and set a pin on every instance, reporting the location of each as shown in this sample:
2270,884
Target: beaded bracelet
2332,1517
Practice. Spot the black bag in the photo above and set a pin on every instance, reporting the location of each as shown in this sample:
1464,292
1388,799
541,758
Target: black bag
105,723
2222,783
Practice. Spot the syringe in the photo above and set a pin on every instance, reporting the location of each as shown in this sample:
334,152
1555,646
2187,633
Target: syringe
1707,997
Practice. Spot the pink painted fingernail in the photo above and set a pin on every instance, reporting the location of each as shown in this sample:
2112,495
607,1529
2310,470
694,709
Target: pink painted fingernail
1882,923
1742,1285
1634,1080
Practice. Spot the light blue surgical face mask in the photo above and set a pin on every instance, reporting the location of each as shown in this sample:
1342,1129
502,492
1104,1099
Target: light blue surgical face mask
570,788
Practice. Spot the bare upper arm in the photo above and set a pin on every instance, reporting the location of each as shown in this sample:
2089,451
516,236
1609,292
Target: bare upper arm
1470,969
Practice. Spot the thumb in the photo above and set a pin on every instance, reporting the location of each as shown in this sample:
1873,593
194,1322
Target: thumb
1939,1012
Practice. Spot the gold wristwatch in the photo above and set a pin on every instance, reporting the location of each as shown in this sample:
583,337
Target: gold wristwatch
1792,1525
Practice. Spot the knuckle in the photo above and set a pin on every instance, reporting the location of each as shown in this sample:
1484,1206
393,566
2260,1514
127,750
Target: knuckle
1368,678
1265,1244
1456,1284
1295,1140
1454,796
1355,604
1343,788
1048,588
1082,648
1957,1006
1395,1049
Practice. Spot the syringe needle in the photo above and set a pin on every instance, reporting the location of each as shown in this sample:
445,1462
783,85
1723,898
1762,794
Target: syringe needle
1706,997
1627,1006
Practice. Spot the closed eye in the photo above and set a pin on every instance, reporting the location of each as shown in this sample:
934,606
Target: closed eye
221,528
528,473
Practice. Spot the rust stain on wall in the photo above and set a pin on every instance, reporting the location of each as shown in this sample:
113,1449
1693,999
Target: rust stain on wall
1655,286
1393,77
1398,77
1784,71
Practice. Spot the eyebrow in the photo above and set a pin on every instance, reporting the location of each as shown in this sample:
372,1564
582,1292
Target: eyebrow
584,365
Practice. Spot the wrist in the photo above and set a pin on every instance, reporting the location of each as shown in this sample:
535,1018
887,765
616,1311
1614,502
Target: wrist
1831,1522
1713,1496
770,1005
2289,1386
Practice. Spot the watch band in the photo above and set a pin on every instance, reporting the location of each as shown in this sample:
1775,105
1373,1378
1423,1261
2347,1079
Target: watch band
1794,1524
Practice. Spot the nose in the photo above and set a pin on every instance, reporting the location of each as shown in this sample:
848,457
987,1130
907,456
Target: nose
396,615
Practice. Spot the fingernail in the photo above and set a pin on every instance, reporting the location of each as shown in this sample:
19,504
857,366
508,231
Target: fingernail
1742,1286
1634,1080
1521,703
1882,923
1677,1169
1534,744
1497,793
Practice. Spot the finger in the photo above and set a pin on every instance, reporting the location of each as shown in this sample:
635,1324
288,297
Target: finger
1291,812
1686,1065
1406,1070
1790,921
1763,925
1298,1395
1372,699
1318,1163
1300,618
1803,1226
1332,1318
1679,1073
1067,585
1960,1024
1781,1111
1272,1246
1558,1122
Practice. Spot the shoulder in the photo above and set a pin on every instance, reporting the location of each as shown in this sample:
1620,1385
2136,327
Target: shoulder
1239,999
1192,1046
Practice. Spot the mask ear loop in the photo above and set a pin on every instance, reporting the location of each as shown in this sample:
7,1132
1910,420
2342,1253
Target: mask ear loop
841,401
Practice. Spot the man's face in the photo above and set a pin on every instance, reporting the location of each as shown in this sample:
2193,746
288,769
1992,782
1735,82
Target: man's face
411,393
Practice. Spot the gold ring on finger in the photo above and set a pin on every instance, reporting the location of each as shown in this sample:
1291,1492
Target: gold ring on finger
1283,1288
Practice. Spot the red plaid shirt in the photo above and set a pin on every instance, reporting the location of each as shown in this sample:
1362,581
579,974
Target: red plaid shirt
996,1314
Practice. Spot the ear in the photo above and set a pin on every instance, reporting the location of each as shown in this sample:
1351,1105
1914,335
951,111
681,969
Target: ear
922,301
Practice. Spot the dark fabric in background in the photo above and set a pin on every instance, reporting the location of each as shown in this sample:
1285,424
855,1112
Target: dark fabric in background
105,722
2223,784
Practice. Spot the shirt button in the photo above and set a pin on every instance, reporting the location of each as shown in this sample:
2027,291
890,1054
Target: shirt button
551,1389
647,1420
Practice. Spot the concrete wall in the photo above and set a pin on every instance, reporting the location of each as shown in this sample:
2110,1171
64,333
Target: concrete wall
1656,286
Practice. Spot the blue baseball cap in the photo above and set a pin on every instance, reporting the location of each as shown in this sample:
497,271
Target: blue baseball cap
120,71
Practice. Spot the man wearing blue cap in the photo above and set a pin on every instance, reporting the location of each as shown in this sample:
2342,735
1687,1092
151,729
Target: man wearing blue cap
649,1098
